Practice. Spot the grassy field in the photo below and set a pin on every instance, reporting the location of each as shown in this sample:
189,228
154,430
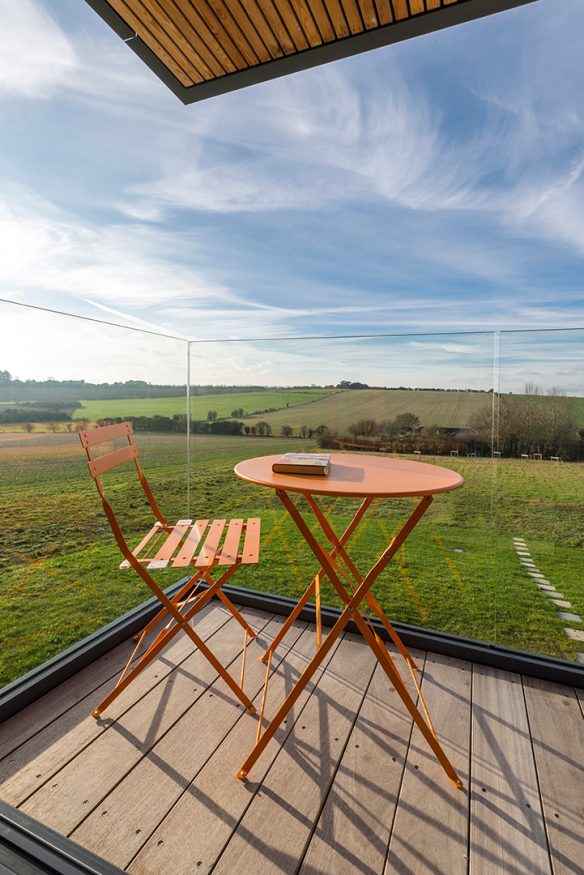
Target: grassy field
338,412
59,577
200,404
447,409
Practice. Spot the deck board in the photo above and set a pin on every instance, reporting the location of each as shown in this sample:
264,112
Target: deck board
337,789
65,735
278,823
427,797
507,833
171,765
354,826
557,731
69,797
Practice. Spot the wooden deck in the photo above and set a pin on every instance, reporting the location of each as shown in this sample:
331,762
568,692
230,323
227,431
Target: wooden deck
345,787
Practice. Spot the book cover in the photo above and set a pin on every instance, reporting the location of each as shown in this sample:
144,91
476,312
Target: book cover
302,463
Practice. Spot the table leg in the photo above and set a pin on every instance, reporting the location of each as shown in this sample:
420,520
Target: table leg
351,610
312,588
371,637
335,542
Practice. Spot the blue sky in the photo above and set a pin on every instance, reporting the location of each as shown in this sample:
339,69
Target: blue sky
432,186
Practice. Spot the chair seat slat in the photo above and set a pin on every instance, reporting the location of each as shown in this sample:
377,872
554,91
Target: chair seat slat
136,552
211,545
190,544
164,555
230,548
251,545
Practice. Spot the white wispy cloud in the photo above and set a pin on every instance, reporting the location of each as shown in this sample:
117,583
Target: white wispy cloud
36,55
43,249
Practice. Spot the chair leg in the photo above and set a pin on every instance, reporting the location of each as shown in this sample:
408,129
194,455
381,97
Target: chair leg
181,621
163,612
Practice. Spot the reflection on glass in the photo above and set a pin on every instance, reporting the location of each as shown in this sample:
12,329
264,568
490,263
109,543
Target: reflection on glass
425,398
539,496
59,572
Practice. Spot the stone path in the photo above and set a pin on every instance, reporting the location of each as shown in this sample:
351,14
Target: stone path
548,589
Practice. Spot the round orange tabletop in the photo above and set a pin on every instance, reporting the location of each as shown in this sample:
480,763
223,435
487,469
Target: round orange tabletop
356,476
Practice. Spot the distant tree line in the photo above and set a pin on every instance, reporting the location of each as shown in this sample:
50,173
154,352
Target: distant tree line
178,424
530,423
38,411
13,389
527,424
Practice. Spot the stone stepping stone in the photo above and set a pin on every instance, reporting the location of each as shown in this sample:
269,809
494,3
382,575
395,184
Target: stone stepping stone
570,618
562,603
524,553
536,575
575,634
529,562
547,587
549,590
519,540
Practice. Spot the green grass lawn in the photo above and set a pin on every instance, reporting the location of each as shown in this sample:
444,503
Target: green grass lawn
201,404
59,577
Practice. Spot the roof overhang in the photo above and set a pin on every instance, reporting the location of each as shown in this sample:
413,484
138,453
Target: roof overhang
202,48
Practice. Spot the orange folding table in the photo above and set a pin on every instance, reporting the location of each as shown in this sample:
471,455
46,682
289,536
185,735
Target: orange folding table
368,478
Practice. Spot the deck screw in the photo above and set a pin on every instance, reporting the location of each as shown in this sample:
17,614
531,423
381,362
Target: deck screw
160,842
55,786
138,831
103,813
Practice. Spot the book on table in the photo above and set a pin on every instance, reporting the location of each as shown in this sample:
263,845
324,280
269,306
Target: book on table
302,463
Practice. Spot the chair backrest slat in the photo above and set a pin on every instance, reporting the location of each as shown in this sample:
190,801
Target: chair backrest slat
91,437
99,466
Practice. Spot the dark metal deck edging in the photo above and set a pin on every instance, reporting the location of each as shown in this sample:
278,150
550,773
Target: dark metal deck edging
40,680
28,847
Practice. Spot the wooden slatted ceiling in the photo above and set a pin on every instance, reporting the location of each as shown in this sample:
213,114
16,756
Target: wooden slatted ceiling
199,42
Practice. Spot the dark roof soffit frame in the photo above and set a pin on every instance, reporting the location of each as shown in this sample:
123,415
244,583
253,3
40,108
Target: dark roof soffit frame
437,19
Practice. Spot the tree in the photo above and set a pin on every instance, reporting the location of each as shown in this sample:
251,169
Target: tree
528,423
211,415
303,431
29,427
325,439
287,431
53,426
264,428
406,423
388,429
364,428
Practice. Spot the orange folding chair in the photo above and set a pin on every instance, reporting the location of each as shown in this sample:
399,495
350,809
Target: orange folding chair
202,545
